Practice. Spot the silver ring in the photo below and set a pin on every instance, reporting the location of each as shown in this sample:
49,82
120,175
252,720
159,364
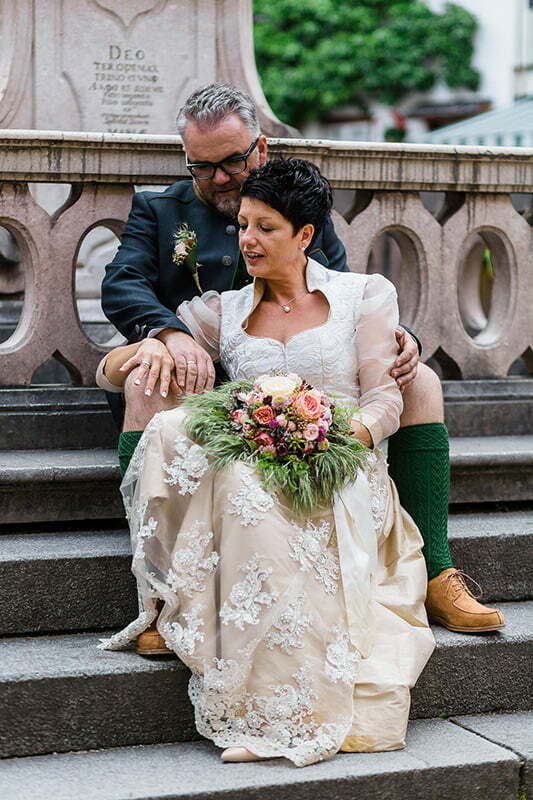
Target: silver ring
191,362
146,363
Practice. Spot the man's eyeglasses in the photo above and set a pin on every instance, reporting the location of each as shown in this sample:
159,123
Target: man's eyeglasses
205,170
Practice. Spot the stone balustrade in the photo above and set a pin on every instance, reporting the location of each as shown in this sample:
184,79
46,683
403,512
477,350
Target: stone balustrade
444,210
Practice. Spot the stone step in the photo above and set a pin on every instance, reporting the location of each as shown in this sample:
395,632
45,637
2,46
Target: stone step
76,417
61,485
53,417
441,759
496,549
72,580
489,469
60,693
513,731
489,407
66,581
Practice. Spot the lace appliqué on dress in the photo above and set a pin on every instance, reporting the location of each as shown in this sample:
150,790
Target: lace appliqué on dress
277,724
181,638
378,489
146,529
251,502
187,467
309,547
130,632
342,659
247,598
287,631
190,566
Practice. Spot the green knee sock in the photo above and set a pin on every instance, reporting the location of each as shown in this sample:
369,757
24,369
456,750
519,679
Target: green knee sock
419,465
127,442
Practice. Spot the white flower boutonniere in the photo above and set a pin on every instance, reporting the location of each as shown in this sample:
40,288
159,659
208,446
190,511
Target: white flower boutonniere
185,249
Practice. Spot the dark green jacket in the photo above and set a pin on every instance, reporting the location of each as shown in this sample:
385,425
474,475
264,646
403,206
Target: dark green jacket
143,287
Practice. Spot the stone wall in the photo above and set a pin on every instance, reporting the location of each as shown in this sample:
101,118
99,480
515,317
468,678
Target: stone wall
440,207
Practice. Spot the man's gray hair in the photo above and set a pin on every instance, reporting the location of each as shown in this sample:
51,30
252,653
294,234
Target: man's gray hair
211,104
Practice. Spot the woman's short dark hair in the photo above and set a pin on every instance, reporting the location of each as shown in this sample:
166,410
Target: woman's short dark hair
293,187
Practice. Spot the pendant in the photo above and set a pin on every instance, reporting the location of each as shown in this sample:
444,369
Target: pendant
286,309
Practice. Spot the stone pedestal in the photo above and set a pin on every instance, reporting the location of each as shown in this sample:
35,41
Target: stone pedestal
122,66
114,66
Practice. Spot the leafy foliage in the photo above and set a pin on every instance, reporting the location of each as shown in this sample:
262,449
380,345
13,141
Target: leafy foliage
315,55
307,483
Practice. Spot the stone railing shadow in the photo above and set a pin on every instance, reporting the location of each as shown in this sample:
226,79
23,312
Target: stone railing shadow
452,227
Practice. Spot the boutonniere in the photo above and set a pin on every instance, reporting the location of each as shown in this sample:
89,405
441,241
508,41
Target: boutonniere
185,249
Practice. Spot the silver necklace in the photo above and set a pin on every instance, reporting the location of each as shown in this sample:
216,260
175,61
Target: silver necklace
286,306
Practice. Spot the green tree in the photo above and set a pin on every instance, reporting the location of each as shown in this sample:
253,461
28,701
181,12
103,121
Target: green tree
314,55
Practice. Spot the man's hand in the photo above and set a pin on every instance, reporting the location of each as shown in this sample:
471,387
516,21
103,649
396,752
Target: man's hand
405,367
194,367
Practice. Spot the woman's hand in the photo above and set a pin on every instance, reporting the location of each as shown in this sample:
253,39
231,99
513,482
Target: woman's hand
154,363
361,433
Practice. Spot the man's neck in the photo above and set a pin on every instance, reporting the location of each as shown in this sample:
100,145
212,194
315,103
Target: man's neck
202,199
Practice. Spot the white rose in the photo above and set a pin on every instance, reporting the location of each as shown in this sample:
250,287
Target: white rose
282,386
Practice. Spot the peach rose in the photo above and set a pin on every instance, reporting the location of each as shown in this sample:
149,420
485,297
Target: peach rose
311,432
263,415
263,440
307,404
238,415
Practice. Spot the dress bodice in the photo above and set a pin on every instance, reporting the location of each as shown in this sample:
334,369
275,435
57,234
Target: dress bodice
325,355
351,353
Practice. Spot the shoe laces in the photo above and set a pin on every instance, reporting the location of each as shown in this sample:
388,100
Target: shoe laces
457,582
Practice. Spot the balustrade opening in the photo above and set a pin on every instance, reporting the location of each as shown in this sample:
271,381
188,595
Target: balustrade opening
394,255
96,249
11,284
484,287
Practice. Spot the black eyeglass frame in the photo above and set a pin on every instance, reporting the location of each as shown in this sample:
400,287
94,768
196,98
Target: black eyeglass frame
220,164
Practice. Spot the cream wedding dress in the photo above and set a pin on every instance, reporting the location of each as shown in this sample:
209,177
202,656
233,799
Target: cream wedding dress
301,635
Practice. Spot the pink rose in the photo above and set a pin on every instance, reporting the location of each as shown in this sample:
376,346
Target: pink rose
308,404
263,415
237,416
311,432
180,249
263,440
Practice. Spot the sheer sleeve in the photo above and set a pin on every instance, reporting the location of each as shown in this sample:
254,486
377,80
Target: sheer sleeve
202,317
380,401
103,382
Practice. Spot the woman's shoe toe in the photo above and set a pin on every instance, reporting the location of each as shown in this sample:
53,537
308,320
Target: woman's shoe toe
236,754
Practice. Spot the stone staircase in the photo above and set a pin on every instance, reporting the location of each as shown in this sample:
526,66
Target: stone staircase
78,722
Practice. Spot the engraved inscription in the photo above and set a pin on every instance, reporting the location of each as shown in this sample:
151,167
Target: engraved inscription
127,83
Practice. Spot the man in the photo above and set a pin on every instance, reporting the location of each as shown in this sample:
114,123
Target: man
143,287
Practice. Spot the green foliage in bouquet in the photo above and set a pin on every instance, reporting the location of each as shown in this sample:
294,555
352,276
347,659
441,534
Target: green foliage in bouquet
308,481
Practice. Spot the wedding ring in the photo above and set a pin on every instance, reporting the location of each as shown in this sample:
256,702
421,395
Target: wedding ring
191,362
146,363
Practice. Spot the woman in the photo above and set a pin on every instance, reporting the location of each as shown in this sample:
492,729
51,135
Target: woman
303,636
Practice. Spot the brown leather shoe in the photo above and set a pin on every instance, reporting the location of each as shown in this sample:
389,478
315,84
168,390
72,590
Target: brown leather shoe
150,642
450,602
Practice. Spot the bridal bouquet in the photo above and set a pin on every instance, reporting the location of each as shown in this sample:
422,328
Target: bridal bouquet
294,434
